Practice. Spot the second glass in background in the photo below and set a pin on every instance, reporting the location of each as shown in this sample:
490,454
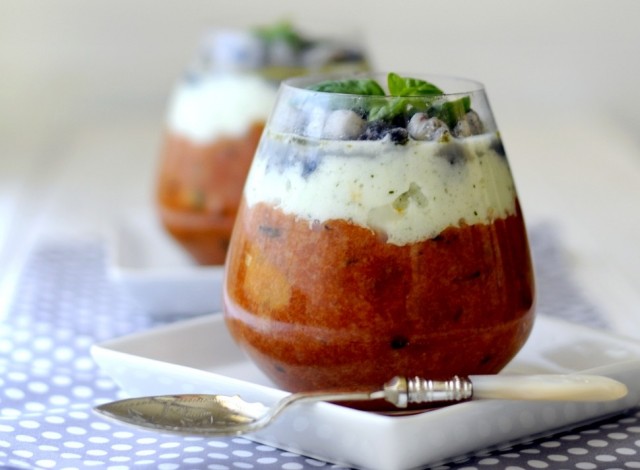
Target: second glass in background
215,119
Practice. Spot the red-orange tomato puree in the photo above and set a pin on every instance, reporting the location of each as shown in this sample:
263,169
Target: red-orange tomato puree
333,304
199,190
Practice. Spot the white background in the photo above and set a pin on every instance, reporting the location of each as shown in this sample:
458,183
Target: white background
84,84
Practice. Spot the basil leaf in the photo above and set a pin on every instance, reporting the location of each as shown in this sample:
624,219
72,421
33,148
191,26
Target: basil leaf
387,110
452,111
404,86
406,90
391,108
363,86
408,96
282,31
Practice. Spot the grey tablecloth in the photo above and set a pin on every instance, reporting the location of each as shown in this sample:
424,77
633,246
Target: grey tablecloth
64,303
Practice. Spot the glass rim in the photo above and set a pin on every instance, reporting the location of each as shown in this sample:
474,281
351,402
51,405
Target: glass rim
465,86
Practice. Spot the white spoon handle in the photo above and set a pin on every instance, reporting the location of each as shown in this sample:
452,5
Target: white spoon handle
547,387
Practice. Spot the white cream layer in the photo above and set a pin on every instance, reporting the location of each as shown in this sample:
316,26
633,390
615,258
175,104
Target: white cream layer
219,105
407,191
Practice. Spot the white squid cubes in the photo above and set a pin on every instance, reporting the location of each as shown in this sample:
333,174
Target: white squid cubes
422,127
316,123
343,124
469,125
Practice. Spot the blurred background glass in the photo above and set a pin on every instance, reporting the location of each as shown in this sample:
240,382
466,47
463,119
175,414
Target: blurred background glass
215,118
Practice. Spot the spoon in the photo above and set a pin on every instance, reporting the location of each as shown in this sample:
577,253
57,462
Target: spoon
221,415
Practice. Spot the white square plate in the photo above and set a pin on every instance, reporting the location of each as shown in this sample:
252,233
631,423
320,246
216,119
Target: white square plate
198,355
156,273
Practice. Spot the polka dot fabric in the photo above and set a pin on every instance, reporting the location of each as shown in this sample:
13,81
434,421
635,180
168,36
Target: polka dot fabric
49,383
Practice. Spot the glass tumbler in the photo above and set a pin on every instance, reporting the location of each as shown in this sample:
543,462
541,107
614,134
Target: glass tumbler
379,234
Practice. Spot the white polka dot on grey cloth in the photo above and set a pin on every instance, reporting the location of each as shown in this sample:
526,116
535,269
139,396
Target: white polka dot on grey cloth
53,375
49,384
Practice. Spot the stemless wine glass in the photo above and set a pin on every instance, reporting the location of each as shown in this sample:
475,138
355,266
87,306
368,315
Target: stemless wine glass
379,234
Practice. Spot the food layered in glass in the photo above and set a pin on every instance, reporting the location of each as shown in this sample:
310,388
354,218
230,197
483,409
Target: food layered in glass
379,236
215,119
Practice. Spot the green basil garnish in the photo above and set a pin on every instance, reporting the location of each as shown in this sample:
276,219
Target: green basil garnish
405,86
408,97
365,86
282,31
452,111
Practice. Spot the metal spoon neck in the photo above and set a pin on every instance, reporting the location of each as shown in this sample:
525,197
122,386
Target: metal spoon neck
402,391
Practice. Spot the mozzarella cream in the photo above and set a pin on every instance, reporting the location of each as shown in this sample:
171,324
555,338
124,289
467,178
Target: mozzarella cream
219,105
408,192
